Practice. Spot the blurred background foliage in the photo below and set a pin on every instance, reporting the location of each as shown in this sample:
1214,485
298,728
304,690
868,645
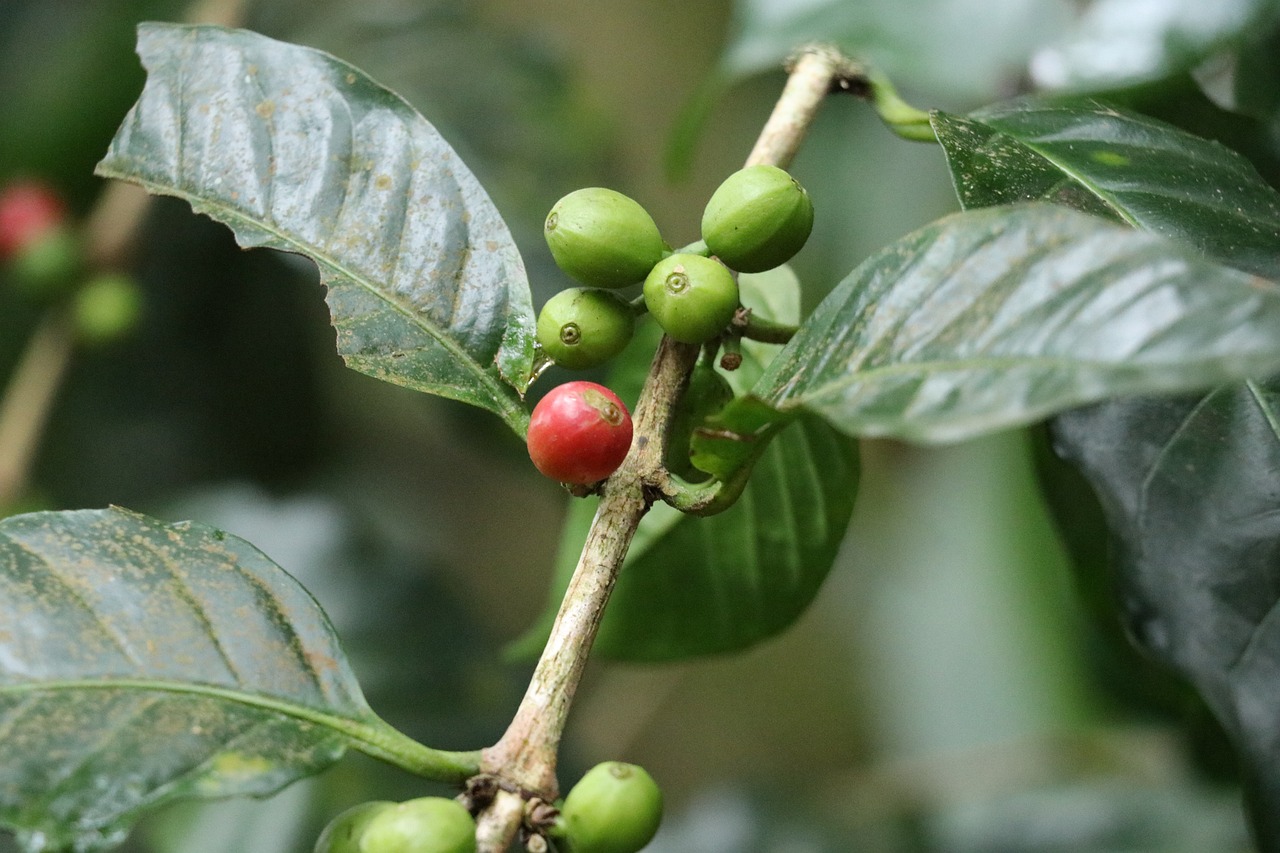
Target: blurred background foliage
957,686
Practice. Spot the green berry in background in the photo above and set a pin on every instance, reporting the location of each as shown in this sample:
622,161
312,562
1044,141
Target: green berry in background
615,808
708,392
343,833
424,825
582,327
757,219
48,266
693,298
106,308
603,238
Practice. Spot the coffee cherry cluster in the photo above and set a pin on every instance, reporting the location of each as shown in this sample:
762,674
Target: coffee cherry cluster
756,220
424,825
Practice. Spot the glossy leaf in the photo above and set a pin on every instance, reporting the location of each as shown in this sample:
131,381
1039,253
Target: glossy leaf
696,586
1117,43
1191,490
1169,521
995,318
1108,161
298,151
142,662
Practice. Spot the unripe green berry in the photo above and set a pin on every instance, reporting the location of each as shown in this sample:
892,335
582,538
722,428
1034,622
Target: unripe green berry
614,808
757,219
603,238
582,327
46,267
106,308
343,833
424,825
707,394
693,298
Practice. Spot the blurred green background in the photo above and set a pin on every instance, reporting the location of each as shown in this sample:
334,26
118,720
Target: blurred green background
956,687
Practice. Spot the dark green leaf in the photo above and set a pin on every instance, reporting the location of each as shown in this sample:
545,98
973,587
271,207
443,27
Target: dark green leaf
1115,43
1104,160
696,586
298,151
1171,527
1191,489
995,318
141,662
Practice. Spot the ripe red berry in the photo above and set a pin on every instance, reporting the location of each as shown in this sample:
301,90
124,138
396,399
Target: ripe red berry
579,433
29,211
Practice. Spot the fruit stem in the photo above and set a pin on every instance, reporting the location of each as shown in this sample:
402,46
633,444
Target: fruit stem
765,331
524,759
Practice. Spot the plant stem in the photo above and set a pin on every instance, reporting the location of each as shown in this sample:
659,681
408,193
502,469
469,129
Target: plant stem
525,758
27,401
813,73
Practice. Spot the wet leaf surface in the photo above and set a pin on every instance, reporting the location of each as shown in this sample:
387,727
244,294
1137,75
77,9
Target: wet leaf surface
298,151
996,318
142,662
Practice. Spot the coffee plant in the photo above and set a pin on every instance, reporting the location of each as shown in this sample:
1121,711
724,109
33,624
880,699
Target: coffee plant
1109,281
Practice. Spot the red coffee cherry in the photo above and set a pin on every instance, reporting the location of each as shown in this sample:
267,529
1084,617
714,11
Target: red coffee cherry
579,433
29,211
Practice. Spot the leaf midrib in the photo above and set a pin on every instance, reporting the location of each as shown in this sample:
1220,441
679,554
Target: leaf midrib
495,389
371,735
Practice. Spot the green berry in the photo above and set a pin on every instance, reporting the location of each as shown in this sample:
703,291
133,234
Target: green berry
106,308
693,298
614,808
582,327
343,833
707,394
757,219
603,238
424,825
47,267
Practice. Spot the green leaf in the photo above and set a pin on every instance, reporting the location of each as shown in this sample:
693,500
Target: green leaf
1174,475
995,318
1104,160
695,586
142,662
1112,44
298,151
1191,489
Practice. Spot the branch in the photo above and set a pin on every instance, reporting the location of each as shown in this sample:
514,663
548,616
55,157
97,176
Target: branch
524,760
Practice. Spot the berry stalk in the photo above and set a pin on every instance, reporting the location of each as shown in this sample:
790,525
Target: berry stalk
524,760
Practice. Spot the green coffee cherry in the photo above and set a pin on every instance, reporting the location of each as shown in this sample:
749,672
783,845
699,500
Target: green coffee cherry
707,394
693,298
106,308
424,825
582,327
48,266
343,833
614,808
757,219
603,238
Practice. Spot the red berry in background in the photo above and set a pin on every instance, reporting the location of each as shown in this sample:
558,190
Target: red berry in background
29,211
579,433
